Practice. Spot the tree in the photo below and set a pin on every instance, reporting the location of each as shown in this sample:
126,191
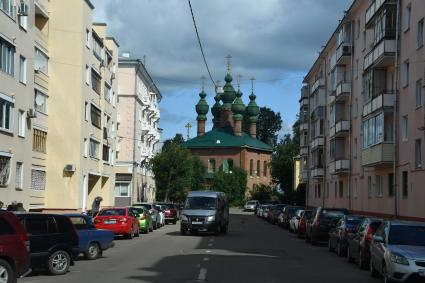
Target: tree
177,140
268,125
177,172
232,184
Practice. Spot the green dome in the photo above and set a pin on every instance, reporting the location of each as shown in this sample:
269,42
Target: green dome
229,92
252,109
238,108
215,110
202,107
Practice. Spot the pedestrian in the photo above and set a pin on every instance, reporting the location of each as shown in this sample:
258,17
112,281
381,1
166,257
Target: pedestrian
13,206
20,207
1,205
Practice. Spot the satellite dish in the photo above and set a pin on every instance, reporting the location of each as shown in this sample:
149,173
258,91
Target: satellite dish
39,100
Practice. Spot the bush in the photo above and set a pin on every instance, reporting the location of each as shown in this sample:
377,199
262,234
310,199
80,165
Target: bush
232,184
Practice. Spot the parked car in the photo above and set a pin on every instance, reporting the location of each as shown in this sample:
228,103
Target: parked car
250,205
53,241
171,213
287,213
205,211
161,212
302,223
92,241
119,220
339,233
359,243
397,251
265,211
14,248
145,219
317,226
260,210
153,212
295,220
274,212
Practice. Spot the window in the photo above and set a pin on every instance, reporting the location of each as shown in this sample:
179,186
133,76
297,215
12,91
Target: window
107,93
38,180
22,69
95,116
404,127
404,182
227,165
364,39
421,33
378,186
341,189
7,56
251,167
88,75
5,227
407,17
41,226
40,102
406,66
369,186
88,38
19,175
258,168
21,123
6,114
391,184
23,22
319,190
95,81
106,121
86,111
211,165
265,169
94,149
97,46
373,131
41,61
336,189
114,98
39,141
86,147
122,189
418,93
105,153
418,153
4,170
7,7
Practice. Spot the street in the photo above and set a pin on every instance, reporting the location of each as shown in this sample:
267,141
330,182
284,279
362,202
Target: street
253,251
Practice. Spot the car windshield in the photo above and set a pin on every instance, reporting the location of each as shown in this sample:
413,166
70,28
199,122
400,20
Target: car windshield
139,210
251,202
280,207
407,235
353,222
112,212
79,222
332,213
291,211
169,206
200,203
307,214
147,206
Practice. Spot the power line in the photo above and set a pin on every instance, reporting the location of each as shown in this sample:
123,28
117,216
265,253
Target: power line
200,44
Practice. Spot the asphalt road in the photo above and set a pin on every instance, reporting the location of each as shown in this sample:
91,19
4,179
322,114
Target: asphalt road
253,251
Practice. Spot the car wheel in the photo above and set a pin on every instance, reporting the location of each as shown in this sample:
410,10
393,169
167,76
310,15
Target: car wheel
7,274
131,234
154,225
385,278
59,262
93,251
330,248
137,234
361,261
372,270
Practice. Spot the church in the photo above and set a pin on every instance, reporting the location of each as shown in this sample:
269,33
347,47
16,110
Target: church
226,146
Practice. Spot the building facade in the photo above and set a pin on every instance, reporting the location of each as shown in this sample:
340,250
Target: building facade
362,113
138,132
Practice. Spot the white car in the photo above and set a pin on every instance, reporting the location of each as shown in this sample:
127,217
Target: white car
161,214
294,222
251,205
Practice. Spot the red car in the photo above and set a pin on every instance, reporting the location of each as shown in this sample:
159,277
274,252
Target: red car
14,248
170,213
119,220
302,224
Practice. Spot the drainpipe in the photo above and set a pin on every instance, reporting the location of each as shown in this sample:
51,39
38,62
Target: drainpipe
325,110
350,104
395,134
135,184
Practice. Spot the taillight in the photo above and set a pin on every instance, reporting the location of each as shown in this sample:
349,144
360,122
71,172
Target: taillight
368,235
97,221
25,240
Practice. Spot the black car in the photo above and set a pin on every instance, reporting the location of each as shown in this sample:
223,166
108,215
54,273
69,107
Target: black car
320,222
288,213
53,241
341,231
359,242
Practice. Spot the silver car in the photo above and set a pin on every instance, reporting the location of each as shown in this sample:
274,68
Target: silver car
398,251
250,205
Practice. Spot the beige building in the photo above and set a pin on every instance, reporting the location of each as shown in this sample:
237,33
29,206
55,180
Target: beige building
362,113
138,132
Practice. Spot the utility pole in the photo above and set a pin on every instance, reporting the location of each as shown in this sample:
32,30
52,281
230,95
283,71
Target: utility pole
188,127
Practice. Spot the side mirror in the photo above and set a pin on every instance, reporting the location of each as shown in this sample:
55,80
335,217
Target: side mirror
378,239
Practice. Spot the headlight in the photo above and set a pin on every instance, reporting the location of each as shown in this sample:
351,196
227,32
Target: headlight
398,258
184,218
211,218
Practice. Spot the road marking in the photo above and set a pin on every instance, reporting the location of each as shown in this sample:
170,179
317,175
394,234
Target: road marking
206,259
208,251
202,274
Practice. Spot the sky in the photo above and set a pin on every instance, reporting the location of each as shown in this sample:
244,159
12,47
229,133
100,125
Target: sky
274,41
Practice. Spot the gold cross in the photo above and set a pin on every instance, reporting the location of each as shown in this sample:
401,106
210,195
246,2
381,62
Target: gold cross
252,83
188,127
229,62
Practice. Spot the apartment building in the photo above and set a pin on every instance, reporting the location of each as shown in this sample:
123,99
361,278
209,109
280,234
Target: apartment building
138,132
362,113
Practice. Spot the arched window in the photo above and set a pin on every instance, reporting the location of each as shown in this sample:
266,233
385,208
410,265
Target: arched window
251,167
265,169
258,168
211,165
227,165
230,162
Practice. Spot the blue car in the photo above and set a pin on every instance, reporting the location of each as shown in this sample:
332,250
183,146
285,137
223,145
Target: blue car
92,241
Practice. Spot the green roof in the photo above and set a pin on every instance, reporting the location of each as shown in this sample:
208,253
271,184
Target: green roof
224,137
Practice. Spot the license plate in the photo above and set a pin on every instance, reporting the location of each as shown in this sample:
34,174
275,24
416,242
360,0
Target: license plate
196,222
421,272
110,221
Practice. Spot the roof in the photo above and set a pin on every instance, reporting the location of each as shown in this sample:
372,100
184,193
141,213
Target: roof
204,193
224,138
406,223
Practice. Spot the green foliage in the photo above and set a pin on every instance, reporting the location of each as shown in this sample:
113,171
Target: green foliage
296,197
233,184
177,140
177,171
264,193
268,125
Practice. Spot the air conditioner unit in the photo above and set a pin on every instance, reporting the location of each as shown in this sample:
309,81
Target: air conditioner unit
22,9
346,49
31,113
70,168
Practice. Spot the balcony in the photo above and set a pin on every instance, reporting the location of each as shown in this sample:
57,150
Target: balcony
303,151
340,129
318,84
305,91
381,102
339,166
317,173
343,54
304,127
41,79
41,8
378,155
374,8
317,142
318,113
304,102
342,91
304,176
383,55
